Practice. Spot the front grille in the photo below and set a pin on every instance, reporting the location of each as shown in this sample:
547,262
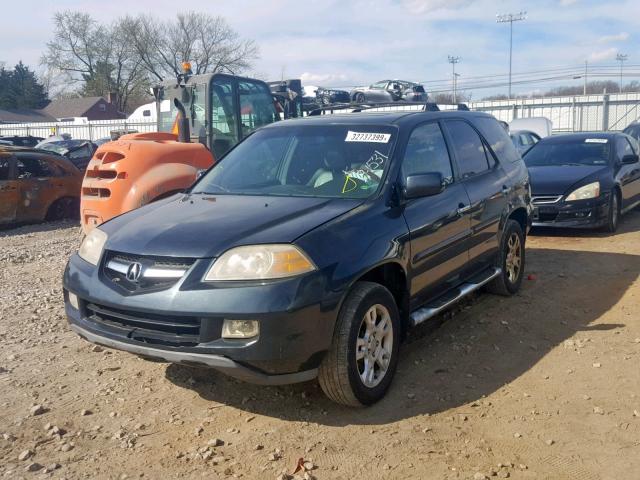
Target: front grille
156,273
170,330
545,199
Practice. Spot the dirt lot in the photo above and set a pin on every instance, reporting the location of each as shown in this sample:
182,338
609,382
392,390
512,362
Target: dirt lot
542,385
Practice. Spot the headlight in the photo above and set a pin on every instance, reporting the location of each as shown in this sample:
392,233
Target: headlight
92,246
591,190
260,262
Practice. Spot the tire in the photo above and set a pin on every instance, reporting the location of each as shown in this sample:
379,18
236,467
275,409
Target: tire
63,208
613,217
360,98
511,259
340,374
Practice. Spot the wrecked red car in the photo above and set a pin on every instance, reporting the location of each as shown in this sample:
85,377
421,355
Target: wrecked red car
36,185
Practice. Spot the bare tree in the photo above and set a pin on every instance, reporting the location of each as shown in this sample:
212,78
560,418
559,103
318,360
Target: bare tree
207,41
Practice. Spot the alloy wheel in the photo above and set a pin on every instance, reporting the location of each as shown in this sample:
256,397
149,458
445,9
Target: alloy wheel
374,345
513,261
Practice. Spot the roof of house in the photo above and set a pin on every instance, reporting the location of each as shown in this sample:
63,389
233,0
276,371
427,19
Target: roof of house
71,107
25,115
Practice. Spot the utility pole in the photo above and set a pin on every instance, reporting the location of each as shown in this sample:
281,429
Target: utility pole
453,61
510,18
621,58
586,66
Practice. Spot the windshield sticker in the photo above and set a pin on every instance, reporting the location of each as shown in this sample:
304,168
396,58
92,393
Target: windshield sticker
367,137
596,140
371,170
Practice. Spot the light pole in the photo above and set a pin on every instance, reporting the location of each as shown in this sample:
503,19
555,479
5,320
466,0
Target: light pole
621,58
453,61
510,18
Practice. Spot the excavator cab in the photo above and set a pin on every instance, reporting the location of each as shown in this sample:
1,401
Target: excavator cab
200,118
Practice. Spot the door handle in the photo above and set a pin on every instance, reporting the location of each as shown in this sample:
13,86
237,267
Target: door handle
462,209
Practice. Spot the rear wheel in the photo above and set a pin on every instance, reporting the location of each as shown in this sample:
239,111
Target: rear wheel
511,259
358,368
64,208
613,217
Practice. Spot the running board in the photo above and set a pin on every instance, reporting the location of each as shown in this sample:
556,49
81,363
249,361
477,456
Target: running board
434,308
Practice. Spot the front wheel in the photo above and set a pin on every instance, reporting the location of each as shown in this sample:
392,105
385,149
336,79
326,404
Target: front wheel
360,98
360,364
511,257
613,216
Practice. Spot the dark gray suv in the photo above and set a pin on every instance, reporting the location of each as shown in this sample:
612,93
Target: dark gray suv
310,249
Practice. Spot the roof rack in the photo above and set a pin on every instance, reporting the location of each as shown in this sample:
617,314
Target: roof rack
390,106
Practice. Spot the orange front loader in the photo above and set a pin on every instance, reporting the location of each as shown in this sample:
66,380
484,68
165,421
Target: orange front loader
210,113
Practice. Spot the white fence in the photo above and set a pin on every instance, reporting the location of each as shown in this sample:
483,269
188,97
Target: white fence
581,113
569,114
91,130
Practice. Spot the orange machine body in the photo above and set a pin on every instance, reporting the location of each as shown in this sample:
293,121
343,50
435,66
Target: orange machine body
135,170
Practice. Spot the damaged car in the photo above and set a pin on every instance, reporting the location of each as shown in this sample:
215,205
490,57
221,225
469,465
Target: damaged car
37,186
389,91
79,152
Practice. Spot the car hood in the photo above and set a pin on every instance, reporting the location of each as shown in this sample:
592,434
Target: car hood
204,226
556,180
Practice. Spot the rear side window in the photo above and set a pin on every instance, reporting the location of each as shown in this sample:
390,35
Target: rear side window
498,139
468,147
427,152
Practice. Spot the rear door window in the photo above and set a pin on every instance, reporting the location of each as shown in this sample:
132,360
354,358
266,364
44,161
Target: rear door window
498,139
469,149
33,167
427,152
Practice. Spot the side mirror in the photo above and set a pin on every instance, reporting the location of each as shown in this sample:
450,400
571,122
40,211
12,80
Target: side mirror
423,185
629,159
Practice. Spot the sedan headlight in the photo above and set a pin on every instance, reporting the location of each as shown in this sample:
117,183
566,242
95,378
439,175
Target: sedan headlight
260,262
92,245
591,190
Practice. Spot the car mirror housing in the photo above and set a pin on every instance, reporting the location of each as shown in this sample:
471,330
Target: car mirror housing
629,159
423,185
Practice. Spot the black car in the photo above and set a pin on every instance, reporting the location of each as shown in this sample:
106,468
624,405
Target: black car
389,91
329,96
310,249
79,152
21,141
584,180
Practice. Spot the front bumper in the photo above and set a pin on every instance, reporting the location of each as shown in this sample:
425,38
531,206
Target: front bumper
183,323
580,214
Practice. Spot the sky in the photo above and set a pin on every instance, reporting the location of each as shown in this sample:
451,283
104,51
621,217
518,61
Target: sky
346,43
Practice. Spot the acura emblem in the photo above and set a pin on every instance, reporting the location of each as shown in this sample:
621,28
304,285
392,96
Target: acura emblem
134,272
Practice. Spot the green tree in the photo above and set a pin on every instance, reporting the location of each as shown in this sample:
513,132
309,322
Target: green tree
19,88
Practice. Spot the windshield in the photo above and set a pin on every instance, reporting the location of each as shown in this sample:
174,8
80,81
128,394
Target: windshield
336,161
588,152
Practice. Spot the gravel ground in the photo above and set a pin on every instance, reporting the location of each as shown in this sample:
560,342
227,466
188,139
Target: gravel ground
544,385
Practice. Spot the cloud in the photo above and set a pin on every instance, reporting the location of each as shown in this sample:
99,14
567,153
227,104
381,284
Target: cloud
567,3
322,78
426,6
601,55
620,37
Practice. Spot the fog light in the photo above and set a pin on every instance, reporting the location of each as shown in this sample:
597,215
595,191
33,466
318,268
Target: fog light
240,329
73,301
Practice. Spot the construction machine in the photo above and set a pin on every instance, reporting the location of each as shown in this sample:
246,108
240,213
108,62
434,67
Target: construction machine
199,119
